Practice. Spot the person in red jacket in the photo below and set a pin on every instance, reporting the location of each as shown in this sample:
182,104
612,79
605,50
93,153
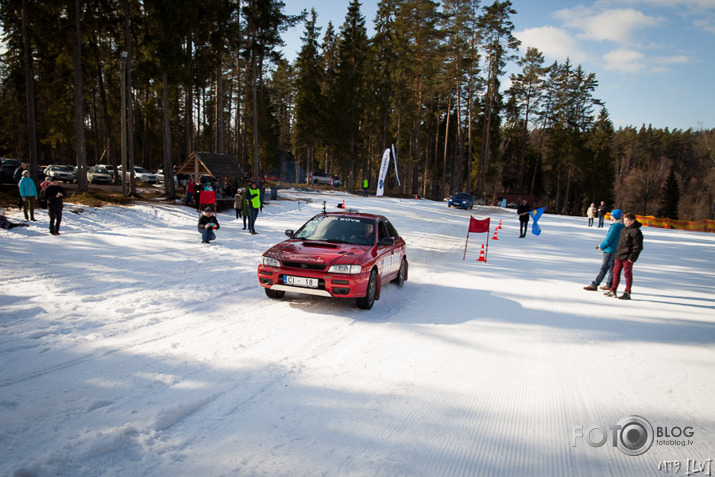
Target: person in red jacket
190,188
630,245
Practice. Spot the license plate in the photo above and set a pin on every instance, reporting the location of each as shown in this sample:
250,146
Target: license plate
300,281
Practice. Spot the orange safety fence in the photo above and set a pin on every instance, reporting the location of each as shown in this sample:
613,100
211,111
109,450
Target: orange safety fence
705,225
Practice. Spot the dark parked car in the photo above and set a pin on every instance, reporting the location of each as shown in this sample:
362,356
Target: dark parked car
8,169
462,200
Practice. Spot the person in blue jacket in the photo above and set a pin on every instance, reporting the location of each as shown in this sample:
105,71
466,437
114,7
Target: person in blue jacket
608,247
28,193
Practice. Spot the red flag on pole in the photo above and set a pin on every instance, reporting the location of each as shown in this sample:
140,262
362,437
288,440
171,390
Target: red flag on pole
478,226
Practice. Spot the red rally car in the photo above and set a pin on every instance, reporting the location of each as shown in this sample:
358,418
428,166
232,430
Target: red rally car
338,254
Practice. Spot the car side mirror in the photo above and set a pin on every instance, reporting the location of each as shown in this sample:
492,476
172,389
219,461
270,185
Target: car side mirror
387,242
289,233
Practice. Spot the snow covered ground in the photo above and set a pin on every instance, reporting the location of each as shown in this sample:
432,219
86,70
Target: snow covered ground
129,348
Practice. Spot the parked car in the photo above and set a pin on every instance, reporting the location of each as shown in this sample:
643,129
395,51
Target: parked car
160,177
99,175
60,173
141,175
462,200
319,178
336,254
8,170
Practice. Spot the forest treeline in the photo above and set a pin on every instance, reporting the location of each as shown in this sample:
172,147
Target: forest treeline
210,76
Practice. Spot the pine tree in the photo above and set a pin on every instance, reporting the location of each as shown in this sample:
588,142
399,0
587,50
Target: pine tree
671,197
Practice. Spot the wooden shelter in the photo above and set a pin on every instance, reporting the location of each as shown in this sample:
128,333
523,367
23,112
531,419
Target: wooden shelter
211,164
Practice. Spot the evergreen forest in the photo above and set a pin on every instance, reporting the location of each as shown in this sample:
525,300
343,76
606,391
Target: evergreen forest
84,82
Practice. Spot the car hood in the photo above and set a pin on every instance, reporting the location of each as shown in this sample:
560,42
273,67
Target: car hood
316,253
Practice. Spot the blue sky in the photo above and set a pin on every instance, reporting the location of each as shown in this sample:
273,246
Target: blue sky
653,59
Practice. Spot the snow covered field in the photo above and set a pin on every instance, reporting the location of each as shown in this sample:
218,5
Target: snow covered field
129,348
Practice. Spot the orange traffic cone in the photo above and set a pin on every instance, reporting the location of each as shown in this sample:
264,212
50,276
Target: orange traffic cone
495,235
481,255
499,226
343,203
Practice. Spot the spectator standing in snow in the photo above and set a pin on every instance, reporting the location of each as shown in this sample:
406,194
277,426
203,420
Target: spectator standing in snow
43,185
365,185
591,213
630,245
17,176
207,224
523,212
54,194
243,204
190,188
253,196
601,214
237,204
28,194
608,247
6,224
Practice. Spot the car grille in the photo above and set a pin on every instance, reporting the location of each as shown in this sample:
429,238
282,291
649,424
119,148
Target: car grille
304,266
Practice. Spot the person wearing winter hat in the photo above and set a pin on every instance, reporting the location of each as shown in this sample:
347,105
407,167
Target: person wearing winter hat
207,224
608,247
630,245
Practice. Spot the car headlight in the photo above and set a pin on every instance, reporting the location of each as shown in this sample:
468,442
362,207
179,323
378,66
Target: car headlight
271,262
350,269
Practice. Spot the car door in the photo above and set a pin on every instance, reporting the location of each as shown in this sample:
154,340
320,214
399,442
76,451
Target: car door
389,256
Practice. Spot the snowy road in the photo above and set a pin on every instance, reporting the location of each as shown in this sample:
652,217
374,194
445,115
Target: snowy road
129,348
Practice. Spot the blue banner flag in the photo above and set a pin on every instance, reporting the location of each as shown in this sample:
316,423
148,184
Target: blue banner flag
536,215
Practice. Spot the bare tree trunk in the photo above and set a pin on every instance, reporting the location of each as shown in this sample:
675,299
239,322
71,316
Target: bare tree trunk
446,142
78,103
30,90
130,104
219,109
169,187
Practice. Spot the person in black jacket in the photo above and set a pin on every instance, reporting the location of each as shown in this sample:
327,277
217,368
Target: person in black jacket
601,213
207,224
523,212
630,245
54,194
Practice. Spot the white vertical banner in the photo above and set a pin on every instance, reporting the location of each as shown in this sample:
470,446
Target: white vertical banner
395,156
383,172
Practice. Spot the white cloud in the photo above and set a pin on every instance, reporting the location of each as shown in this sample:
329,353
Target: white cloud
615,25
554,43
707,24
672,60
690,4
624,61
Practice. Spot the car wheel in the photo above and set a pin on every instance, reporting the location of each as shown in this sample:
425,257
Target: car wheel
366,302
274,293
402,274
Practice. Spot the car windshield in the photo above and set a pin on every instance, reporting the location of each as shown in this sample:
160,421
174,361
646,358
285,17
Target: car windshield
141,170
60,168
101,170
461,195
339,229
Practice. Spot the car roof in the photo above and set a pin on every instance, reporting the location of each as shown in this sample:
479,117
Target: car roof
353,214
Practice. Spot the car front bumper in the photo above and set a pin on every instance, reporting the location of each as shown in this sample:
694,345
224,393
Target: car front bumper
336,285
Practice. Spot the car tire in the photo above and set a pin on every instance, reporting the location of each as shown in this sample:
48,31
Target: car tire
366,302
401,274
275,294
